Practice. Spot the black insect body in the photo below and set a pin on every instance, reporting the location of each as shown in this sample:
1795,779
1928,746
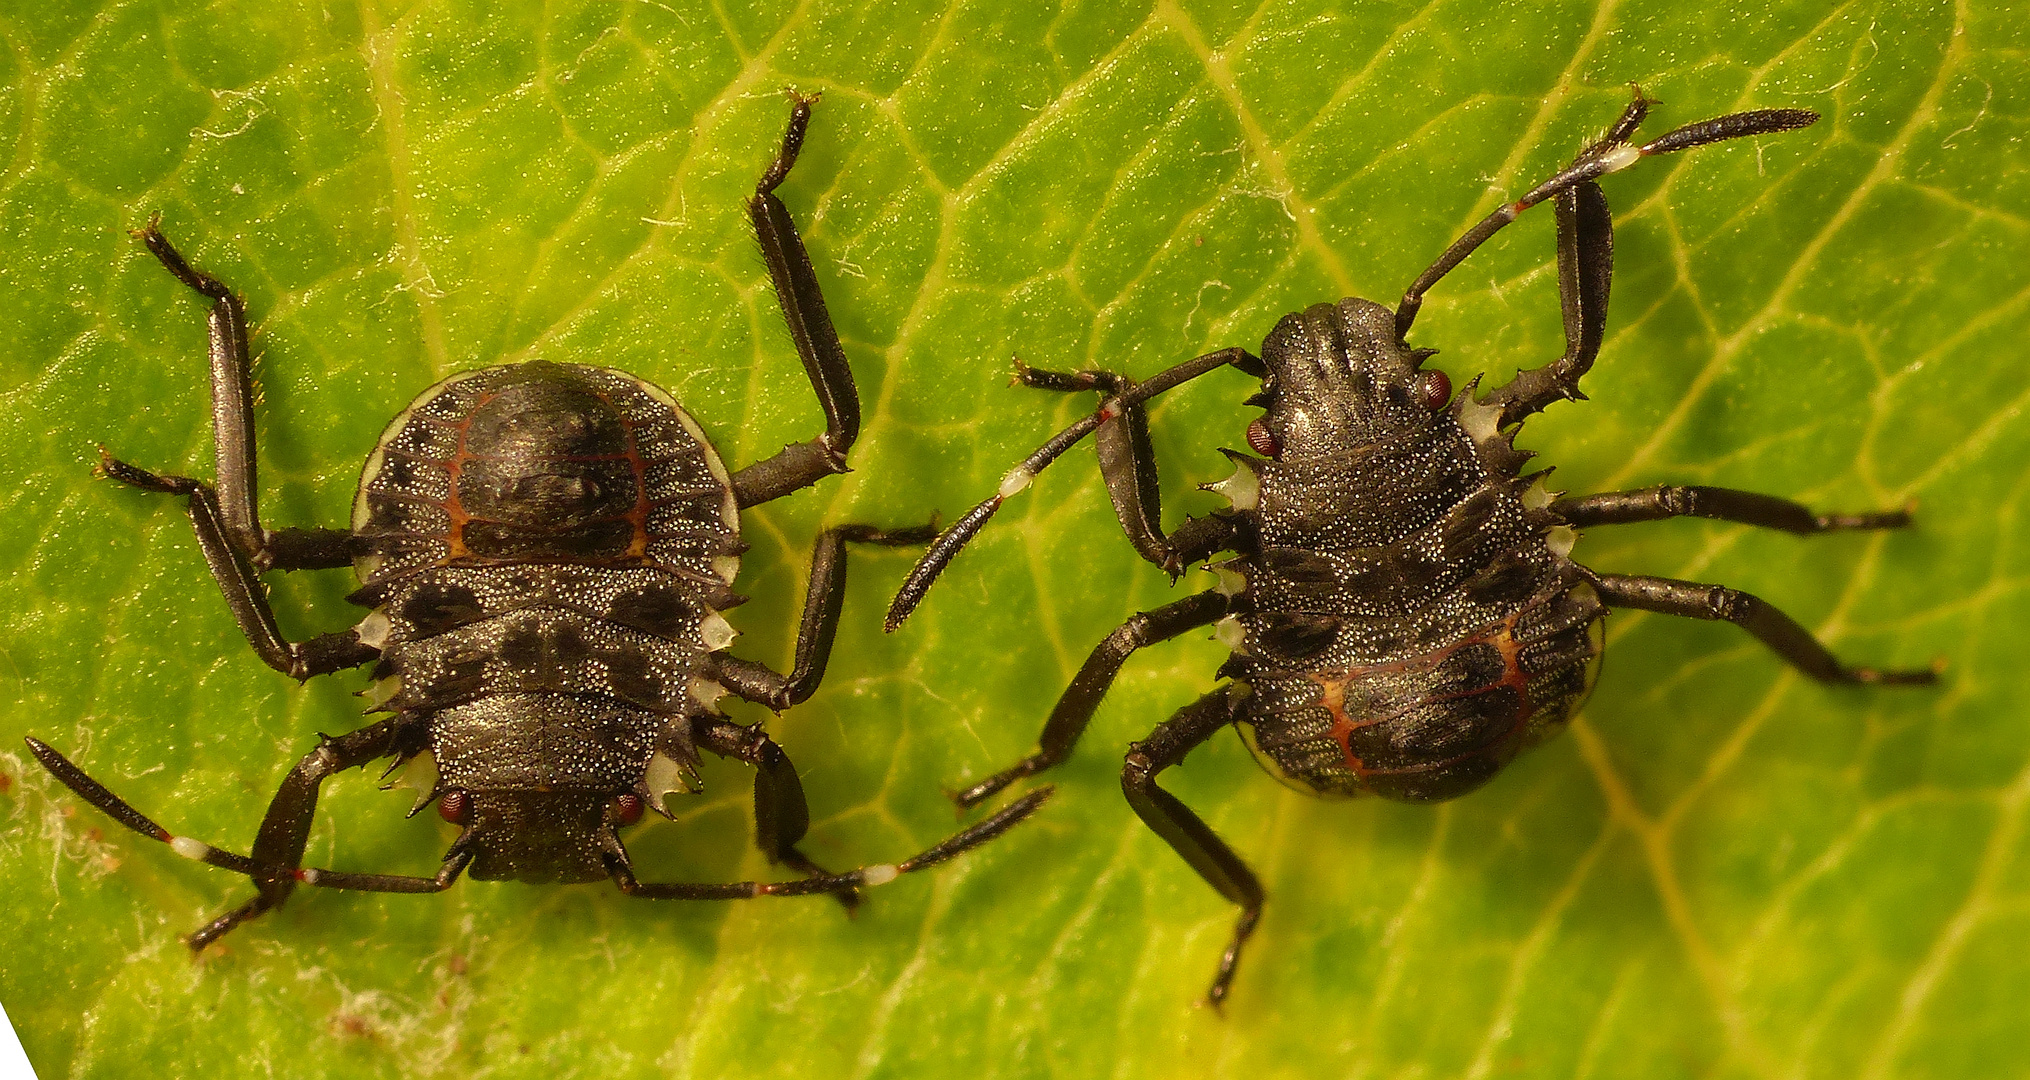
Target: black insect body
1404,613
547,550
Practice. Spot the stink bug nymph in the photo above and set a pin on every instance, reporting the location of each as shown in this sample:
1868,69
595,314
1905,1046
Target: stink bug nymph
546,549
1402,606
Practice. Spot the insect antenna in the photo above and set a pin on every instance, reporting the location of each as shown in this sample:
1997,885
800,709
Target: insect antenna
1611,154
879,874
190,847
952,540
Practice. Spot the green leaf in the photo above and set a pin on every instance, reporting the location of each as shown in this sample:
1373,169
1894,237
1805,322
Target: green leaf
1723,869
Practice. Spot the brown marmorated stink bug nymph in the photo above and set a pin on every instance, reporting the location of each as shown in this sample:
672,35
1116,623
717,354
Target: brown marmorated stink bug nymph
1403,610
546,549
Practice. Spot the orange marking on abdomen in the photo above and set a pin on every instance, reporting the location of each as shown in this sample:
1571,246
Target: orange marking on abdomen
459,517
1332,695
637,546
1512,674
454,506
1332,692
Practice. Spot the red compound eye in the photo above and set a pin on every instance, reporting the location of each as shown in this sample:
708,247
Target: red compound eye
1263,441
1434,389
455,807
627,809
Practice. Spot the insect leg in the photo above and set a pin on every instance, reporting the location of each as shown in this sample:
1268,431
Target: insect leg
1127,461
755,682
454,865
881,874
1772,627
1183,830
241,585
952,540
237,507
1128,465
1585,276
455,862
810,326
1720,504
1611,154
781,813
1074,709
275,865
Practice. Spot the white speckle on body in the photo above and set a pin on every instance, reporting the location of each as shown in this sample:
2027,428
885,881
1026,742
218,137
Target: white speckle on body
373,630
1243,489
1015,481
420,774
666,776
380,690
1621,157
716,631
1230,582
1478,420
707,693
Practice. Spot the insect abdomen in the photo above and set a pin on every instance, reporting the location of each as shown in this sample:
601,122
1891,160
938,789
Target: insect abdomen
1438,724
545,462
